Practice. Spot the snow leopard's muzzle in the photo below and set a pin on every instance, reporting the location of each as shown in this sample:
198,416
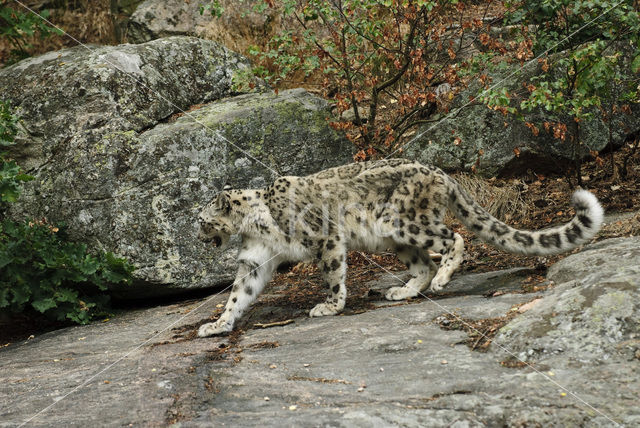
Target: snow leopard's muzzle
208,233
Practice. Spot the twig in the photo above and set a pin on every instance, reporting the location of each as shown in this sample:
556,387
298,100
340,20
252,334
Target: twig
273,324
319,379
477,342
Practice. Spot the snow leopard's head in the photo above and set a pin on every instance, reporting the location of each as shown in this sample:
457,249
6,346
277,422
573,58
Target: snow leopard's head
215,221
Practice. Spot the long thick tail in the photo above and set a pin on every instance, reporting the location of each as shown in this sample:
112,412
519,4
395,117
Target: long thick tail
553,240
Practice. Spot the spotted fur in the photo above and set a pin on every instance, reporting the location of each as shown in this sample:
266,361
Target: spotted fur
372,206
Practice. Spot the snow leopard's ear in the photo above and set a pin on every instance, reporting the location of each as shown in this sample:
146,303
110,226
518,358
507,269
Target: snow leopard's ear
222,203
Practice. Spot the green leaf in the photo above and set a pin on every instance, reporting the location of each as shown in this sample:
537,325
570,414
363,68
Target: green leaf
66,295
44,305
5,258
635,64
21,294
24,177
4,297
89,265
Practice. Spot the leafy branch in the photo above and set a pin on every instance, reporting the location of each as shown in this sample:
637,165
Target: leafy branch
388,66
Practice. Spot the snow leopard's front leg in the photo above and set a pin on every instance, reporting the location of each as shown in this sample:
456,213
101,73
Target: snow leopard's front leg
333,264
256,266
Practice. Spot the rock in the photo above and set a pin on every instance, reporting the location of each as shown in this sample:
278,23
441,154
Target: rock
124,176
378,368
139,194
83,93
488,282
483,283
489,139
237,28
592,315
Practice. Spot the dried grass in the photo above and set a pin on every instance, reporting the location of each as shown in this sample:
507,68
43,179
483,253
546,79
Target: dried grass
88,21
91,22
504,199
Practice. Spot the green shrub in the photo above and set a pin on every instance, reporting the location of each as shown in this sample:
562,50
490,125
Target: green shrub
10,175
39,268
17,26
589,57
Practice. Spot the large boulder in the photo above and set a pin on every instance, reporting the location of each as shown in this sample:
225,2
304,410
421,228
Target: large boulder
126,179
237,28
592,315
82,93
492,143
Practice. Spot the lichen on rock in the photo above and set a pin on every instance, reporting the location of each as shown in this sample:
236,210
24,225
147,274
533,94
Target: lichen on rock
592,312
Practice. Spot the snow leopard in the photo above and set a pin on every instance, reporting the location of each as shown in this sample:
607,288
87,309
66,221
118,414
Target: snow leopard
370,206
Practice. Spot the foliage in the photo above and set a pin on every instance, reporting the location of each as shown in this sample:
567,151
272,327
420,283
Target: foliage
214,7
588,54
39,268
8,128
16,26
560,25
10,175
388,65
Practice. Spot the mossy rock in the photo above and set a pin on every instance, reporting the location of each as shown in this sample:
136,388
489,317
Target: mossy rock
84,92
494,144
113,161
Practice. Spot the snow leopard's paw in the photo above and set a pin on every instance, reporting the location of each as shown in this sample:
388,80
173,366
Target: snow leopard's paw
324,309
400,293
214,328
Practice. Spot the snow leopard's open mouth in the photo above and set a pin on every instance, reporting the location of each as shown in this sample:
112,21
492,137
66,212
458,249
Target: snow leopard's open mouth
216,241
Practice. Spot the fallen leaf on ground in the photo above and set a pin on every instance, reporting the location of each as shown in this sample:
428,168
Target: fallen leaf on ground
524,308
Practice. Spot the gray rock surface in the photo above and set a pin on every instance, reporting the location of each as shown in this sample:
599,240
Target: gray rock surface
72,96
483,283
155,19
592,315
126,177
392,366
496,135
139,194
237,28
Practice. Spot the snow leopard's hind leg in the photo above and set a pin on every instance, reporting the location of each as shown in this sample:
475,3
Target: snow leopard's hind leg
452,254
421,267
437,237
333,264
